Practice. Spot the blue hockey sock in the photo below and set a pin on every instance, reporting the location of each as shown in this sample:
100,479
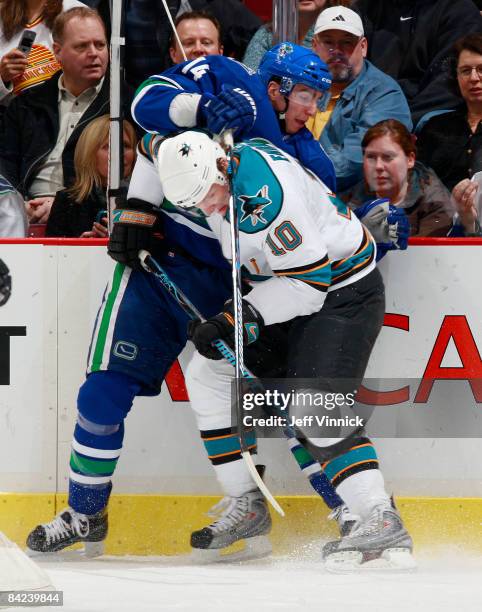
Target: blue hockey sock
104,401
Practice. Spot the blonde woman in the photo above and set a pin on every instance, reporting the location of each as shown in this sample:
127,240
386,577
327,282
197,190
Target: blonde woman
77,211
18,70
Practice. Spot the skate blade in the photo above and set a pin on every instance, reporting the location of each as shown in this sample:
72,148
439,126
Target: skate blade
254,548
391,560
76,552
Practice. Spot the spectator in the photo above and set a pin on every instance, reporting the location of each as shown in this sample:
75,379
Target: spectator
13,219
308,11
391,171
42,127
75,210
199,33
18,71
411,41
148,31
361,95
451,143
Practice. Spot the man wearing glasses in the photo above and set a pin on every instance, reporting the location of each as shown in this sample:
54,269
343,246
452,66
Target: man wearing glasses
361,95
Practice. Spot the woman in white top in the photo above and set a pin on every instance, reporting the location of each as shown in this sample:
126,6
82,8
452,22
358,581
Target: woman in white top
18,71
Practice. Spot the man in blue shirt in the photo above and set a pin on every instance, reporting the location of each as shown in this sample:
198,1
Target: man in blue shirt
361,95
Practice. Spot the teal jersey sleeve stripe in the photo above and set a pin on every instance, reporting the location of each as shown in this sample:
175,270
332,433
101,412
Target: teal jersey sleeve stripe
363,257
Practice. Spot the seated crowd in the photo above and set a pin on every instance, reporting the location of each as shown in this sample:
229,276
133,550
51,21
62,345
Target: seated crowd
402,121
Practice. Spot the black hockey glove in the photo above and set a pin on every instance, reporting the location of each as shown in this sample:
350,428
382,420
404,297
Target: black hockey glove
132,231
5,283
221,327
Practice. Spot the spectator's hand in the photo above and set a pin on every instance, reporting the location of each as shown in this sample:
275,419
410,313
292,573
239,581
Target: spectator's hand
464,195
99,230
38,209
12,65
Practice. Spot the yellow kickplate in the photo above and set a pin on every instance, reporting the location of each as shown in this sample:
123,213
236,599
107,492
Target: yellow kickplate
161,524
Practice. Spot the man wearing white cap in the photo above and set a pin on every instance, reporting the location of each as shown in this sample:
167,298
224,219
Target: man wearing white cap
361,95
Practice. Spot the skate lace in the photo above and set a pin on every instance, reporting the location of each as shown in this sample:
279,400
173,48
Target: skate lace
59,528
341,514
228,512
372,525
335,513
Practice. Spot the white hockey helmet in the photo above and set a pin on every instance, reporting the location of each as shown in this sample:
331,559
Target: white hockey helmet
187,166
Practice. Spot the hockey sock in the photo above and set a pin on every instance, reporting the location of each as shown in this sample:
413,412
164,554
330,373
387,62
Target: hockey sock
104,400
357,479
311,469
224,452
363,491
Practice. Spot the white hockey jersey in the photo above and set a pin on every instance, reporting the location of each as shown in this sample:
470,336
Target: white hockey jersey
295,236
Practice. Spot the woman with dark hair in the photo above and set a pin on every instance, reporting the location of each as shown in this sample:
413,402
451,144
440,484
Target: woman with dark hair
451,143
391,171
19,71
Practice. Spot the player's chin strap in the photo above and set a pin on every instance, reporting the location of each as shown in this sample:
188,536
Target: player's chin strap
150,265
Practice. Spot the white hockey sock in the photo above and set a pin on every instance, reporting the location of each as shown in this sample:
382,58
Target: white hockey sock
234,478
363,491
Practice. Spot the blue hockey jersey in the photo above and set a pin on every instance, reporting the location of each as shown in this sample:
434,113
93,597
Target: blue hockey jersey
169,101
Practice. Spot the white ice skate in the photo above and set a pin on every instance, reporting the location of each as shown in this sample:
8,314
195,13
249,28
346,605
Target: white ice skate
379,543
345,520
244,518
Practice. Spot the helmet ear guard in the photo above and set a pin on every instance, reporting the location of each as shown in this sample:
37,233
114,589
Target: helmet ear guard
187,167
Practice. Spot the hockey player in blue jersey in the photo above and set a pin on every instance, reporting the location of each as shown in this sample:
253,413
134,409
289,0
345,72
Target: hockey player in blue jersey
317,286
219,93
139,331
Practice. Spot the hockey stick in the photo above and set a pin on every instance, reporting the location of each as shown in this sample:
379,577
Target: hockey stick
227,141
169,16
151,265
116,128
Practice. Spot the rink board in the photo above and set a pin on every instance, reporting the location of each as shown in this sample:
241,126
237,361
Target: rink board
432,290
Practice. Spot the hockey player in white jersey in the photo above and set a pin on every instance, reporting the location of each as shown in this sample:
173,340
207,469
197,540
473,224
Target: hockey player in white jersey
320,289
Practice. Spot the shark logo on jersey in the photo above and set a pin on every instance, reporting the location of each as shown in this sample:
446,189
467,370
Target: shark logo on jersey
185,149
253,206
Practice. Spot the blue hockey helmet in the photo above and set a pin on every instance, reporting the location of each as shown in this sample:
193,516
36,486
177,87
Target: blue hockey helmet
294,64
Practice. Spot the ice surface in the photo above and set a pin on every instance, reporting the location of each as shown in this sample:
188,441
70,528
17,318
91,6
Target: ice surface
447,580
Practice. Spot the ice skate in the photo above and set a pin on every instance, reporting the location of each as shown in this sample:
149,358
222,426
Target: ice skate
243,518
344,519
379,543
67,528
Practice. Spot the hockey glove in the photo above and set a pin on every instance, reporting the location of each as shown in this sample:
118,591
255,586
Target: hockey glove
221,327
233,108
388,224
5,283
132,231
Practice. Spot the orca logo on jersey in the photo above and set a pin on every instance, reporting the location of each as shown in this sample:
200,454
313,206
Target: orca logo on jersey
253,206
